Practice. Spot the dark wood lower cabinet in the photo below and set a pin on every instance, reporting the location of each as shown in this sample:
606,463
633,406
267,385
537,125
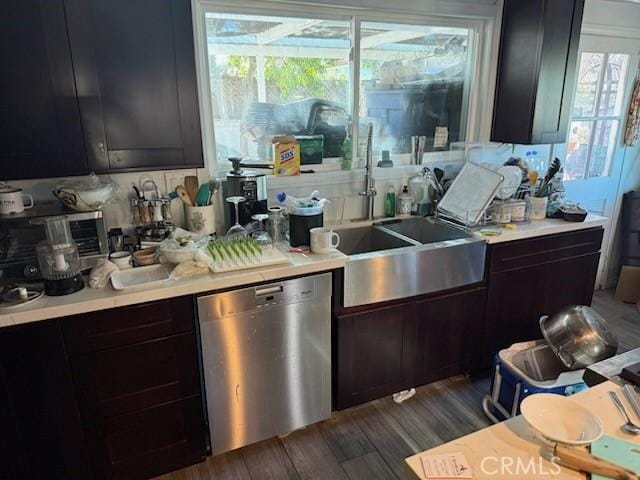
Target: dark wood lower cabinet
148,442
375,354
110,395
447,335
384,350
137,383
536,277
130,378
41,433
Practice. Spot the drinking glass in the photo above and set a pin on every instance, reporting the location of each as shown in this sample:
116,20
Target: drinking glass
237,230
262,236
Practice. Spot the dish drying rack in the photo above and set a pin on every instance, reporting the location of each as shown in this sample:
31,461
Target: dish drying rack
476,219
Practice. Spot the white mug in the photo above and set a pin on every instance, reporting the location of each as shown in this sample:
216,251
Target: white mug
12,201
122,260
322,240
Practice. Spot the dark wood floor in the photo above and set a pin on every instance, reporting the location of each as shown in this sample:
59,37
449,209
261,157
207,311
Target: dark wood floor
371,441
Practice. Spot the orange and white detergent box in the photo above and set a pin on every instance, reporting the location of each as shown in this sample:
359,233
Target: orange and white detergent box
286,156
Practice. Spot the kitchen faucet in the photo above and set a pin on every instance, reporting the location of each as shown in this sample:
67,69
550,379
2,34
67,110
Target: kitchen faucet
369,183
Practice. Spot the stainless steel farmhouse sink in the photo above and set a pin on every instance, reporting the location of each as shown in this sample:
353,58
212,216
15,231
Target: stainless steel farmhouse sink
399,259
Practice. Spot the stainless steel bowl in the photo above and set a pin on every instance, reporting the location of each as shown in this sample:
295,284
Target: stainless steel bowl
579,336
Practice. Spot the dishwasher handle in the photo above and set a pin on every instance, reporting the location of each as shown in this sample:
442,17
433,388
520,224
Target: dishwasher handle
263,292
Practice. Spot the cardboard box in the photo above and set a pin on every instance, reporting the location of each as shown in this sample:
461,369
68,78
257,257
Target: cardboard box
286,156
628,289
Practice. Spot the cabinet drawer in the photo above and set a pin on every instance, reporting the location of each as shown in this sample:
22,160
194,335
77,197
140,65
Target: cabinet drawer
149,442
123,326
121,380
550,248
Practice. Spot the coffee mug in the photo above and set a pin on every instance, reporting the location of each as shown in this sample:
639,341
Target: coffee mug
12,201
322,240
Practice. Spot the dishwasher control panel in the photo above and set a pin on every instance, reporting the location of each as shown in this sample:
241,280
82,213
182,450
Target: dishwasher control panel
289,291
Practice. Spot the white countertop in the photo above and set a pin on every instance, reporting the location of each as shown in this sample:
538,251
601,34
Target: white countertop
538,228
89,299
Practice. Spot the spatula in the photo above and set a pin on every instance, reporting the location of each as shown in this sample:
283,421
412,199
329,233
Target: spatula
202,199
191,186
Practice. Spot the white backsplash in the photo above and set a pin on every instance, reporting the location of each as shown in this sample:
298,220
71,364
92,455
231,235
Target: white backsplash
340,187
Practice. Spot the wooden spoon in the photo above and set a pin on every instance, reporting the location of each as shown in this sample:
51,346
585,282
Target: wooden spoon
191,186
184,196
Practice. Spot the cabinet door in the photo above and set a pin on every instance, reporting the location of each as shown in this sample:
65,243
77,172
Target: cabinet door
558,64
40,133
536,70
121,380
149,442
518,298
135,72
448,332
41,433
375,354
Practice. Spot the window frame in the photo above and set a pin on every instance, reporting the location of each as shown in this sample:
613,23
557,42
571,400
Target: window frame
482,48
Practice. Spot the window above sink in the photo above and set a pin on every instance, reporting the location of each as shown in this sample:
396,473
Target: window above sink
266,70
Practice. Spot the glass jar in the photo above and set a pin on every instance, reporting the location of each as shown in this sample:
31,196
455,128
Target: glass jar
277,224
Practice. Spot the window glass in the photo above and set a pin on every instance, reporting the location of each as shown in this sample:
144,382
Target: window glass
604,145
277,76
412,83
597,115
611,97
578,149
588,76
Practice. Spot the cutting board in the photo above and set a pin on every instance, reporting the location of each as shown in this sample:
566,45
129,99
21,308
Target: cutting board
620,452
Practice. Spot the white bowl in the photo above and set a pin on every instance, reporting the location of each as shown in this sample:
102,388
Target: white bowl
560,419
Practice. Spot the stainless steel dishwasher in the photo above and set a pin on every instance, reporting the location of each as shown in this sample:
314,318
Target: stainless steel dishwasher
267,359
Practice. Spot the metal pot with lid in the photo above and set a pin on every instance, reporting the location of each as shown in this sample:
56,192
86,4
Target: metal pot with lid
248,184
579,336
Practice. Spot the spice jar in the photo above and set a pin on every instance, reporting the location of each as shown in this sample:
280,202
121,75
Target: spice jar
145,212
277,224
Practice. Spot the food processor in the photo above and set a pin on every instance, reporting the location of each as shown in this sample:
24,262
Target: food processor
58,258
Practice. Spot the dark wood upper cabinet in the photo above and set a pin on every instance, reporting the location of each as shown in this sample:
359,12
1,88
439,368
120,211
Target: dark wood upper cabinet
536,70
135,72
40,132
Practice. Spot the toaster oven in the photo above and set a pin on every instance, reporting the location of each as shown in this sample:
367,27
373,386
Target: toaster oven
20,233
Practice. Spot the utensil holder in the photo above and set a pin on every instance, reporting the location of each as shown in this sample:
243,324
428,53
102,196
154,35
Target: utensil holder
201,219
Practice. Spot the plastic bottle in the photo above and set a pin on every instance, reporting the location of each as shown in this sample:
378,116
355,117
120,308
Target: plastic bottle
390,202
347,150
405,201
